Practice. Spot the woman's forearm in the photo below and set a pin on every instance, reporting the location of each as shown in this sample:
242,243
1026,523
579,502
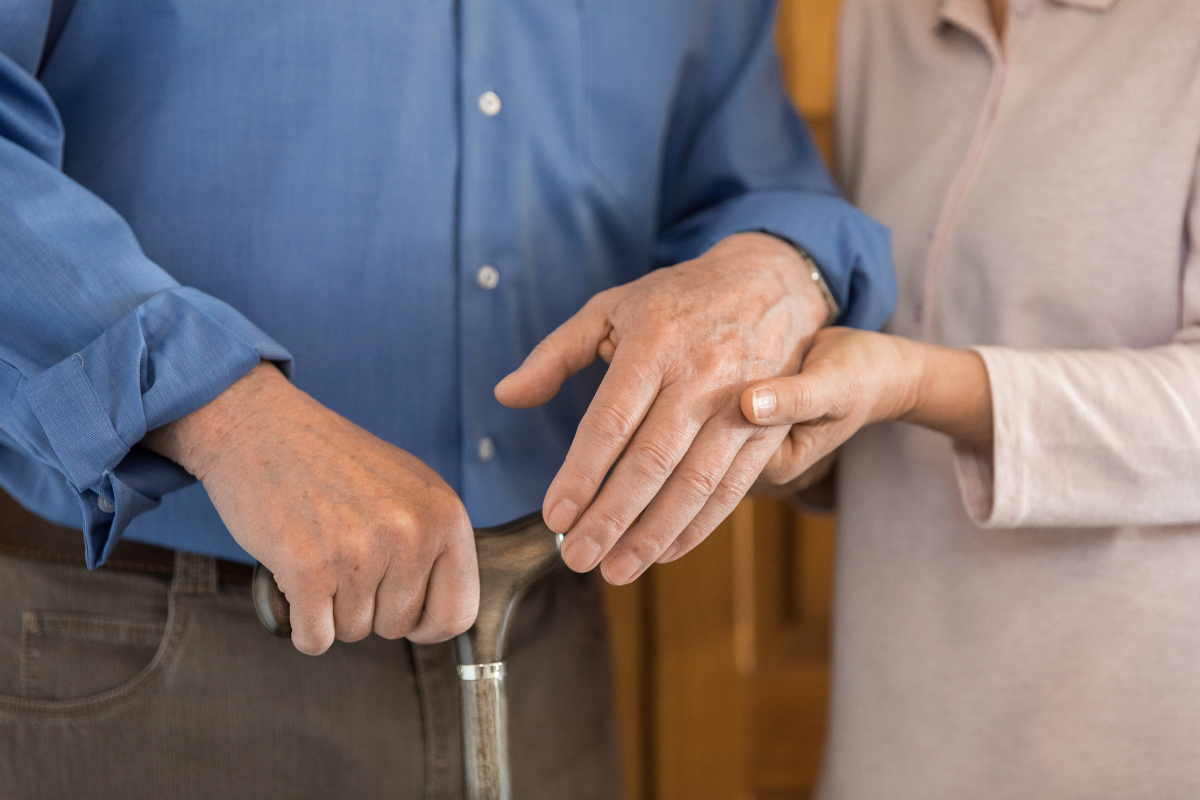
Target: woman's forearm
851,378
952,394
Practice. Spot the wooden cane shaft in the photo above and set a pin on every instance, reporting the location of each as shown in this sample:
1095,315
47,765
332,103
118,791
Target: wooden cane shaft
485,739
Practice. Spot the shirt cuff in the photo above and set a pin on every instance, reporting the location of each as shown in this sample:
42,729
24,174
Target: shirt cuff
853,251
85,415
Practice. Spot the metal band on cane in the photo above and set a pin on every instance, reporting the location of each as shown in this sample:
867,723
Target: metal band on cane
481,672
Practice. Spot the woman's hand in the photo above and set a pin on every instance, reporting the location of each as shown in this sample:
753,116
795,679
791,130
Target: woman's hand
854,378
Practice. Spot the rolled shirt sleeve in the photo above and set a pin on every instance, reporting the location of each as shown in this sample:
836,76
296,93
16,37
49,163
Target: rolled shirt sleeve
98,345
734,176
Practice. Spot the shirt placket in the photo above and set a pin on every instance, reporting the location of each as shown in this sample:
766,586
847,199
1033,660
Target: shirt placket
485,255
973,17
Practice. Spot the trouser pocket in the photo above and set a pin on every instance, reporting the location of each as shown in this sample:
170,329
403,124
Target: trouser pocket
67,656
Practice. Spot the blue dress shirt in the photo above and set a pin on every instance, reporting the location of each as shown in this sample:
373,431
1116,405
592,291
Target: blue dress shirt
403,195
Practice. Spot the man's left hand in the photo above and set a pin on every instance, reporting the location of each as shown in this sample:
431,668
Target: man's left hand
682,344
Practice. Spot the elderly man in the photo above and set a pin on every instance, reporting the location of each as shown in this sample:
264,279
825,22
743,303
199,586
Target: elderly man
405,197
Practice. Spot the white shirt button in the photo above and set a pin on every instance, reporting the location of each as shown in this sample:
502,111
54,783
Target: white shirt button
105,504
488,277
487,449
489,103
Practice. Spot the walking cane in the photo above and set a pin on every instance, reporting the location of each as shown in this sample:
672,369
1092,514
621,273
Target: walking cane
511,558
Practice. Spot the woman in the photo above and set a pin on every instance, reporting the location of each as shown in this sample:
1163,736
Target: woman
1018,602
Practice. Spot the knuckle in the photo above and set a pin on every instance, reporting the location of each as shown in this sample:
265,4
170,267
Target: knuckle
310,637
449,514
805,445
397,522
654,459
730,492
775,472
433,630
612,521
578,476
398,620
654,543
395,625
603,300
355,632
310,577
389,629
612,425
660,335
734,488
798,399
702,481
843,402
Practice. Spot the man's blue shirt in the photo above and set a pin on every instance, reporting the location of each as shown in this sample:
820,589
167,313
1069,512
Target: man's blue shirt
403,196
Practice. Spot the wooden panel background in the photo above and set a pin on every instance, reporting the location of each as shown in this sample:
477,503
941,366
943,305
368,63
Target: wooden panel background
721,659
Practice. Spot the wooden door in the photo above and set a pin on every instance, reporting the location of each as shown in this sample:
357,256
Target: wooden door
721,659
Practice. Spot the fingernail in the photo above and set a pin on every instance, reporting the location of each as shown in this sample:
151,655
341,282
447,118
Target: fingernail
622,568
669,553
580,553
763,401
562,516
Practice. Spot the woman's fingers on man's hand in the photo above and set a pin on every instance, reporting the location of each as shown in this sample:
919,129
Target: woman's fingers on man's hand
818,392
848,379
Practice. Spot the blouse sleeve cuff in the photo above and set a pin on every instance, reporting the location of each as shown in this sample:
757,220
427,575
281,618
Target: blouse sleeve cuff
989,481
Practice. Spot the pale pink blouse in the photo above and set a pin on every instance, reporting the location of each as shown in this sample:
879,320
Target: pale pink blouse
1027,625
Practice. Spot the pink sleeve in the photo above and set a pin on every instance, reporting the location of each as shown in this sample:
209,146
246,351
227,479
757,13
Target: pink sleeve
1104,437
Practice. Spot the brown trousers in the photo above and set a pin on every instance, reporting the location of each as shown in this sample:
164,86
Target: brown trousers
127,686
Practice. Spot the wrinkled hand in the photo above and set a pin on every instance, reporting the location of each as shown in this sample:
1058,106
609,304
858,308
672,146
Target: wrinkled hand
682,343
361,536
854,378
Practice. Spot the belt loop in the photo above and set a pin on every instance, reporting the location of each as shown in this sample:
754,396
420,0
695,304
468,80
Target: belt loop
194,574
437,684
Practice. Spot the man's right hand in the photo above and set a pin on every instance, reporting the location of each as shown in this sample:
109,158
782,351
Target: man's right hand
361,536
